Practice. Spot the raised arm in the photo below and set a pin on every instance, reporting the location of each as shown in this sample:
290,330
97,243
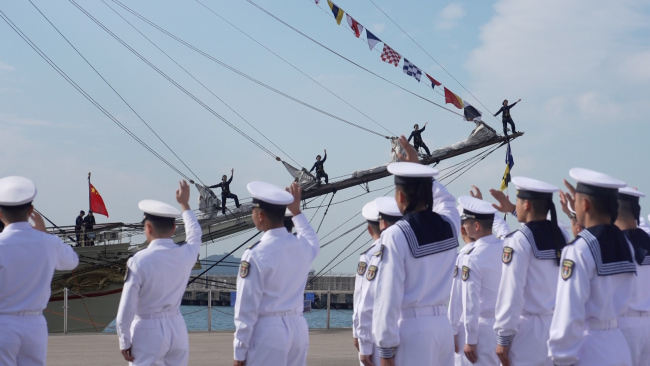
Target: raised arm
422,129
304,231
216,185
193,231
324,158
232,173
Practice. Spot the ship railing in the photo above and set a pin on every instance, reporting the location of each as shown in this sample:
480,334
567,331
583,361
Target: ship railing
99,235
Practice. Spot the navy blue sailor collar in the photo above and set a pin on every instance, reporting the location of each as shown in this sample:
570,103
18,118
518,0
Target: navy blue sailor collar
427,233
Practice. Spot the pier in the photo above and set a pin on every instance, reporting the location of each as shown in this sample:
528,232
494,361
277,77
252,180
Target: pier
223,288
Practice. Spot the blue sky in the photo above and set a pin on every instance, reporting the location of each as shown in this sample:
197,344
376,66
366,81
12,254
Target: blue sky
580,67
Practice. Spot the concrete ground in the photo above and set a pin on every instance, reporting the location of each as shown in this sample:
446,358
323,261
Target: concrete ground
326,347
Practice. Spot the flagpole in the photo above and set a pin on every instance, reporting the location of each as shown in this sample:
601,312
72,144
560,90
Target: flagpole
89,193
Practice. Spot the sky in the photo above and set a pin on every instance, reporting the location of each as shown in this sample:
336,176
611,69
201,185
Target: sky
580,68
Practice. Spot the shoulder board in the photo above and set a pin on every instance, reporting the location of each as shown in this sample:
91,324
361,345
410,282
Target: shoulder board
253,246
469,251
573,241
511,234
366,251
380,252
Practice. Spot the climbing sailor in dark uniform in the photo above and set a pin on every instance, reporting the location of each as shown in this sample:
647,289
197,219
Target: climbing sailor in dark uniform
320,171
506,118
417,138
225,191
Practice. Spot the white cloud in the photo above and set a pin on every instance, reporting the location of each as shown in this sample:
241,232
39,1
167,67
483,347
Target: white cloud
449,17
5,67
20,121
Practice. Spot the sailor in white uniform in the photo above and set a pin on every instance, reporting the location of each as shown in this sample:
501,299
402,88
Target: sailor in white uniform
480,282
596,281
643,225
28,259
530,268
385,212
412,281
270,328
150,327
455,307
635,322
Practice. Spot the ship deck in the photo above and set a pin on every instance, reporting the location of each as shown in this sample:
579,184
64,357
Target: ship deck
326,347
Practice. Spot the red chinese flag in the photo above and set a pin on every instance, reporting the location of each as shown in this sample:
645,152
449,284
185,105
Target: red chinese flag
96,202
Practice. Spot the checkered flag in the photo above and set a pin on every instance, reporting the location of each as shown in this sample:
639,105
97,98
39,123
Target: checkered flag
411,70
390,55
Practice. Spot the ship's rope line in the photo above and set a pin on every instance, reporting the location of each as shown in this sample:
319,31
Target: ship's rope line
471,163
177,85
65,76
351,198
293,66
344,234
226,256
318,275
198,81
83,301
326,210
471,166
347,59
116,92
212,58
431,57
94,324
318,208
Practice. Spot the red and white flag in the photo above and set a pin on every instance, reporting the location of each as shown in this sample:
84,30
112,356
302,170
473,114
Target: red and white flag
390,55
356,27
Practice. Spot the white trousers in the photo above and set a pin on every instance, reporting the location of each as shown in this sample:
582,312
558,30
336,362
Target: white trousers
160,342
279,341
529,347
425,340
636,330
460,338
486,346
604,348
23,340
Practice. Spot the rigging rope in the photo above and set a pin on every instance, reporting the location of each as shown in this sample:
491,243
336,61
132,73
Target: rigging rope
347,59
431,57
65,76
318,208
333,259
198,81
177,85
116,92
326,210
212,58
297,69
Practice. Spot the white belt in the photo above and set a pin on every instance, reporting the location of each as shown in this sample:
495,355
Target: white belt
281,313
436,310
637,313
602,325
23,313
161,315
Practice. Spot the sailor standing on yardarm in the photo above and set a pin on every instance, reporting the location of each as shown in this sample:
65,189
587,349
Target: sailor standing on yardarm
505,117
320,170
225,191
416,135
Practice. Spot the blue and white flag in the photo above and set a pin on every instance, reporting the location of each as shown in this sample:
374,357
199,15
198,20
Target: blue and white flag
372,39
411,70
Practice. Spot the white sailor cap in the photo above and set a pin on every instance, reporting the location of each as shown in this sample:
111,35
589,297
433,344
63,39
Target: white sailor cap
370,212
595,184
529,188
388,210
268,196
629,194
158,211
16,191
409,173
474,208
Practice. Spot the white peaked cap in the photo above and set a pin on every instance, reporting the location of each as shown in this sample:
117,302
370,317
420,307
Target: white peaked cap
370,211
16,191
594,178
387,206
472,205
411,170
629,191
530,184
269,193
157,208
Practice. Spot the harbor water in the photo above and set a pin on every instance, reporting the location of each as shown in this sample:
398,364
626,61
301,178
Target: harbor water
196,318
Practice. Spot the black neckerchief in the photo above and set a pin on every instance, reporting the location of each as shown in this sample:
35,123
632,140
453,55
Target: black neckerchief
641,242
427,233
610,249
540,234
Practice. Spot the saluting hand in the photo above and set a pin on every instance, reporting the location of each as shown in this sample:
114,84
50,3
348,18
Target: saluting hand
411,154
504,205
39,224
296,192
566,201
126,353
183,195
476,194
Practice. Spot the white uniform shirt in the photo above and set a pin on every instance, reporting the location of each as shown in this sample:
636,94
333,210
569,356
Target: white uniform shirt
641,296
403,281
528,285
362,267
367,301
500,227
278,267
28,258
157,277
455,309
481,284
581,298
643,225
